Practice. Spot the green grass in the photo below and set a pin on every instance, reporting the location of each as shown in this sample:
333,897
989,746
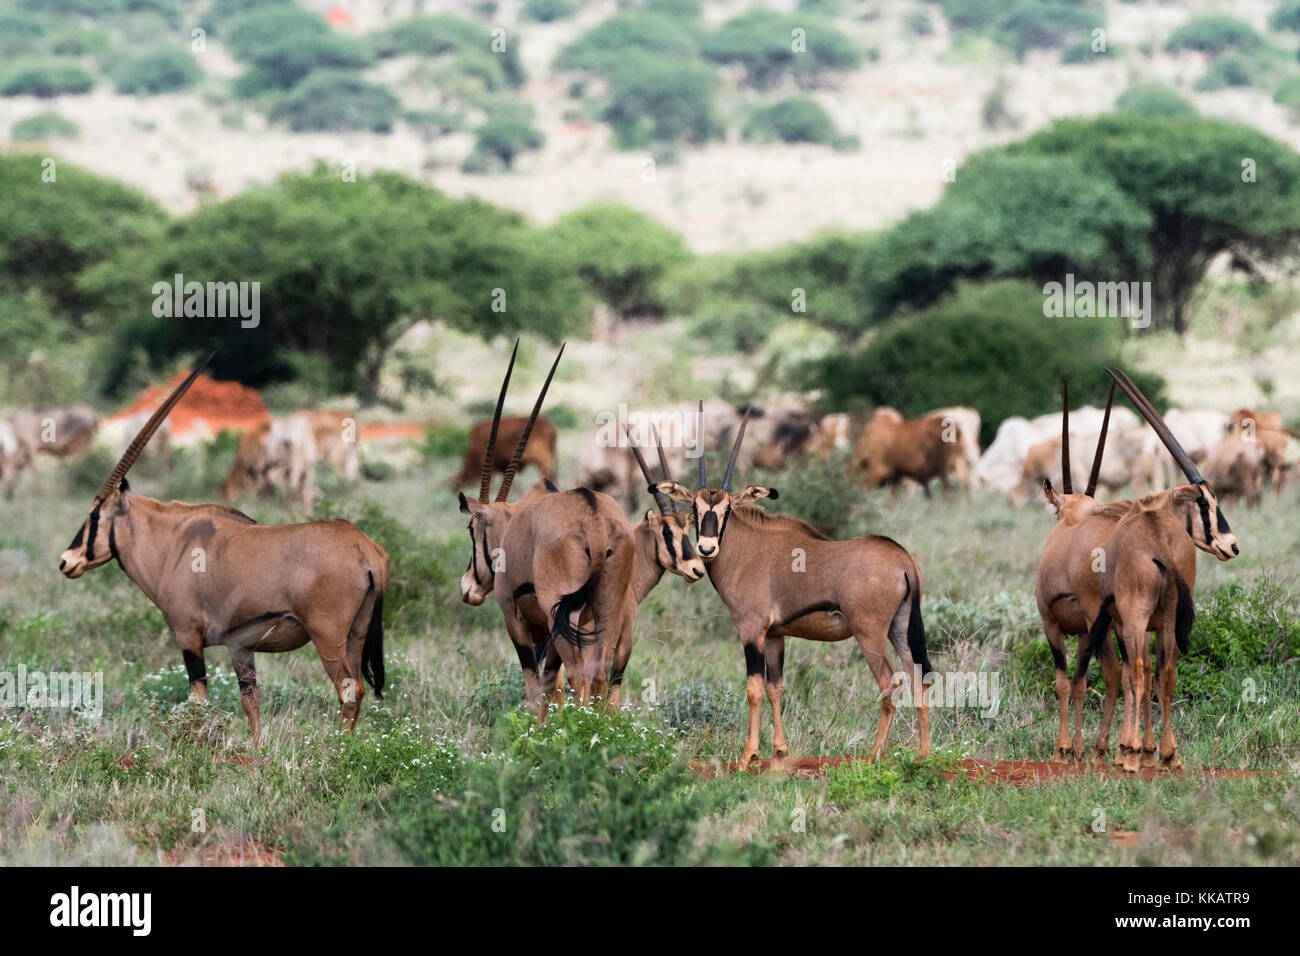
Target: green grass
448,768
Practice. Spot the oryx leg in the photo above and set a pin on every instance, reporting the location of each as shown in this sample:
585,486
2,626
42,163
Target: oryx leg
614,608
1133,680
333,650
522,638
1056,642
1167,660
1111,673
774,668
871,638
241,659
920,691
753,639
192,654
1148,729
622,653
1079,690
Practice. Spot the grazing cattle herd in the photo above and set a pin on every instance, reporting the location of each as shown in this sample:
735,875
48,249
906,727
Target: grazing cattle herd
569,569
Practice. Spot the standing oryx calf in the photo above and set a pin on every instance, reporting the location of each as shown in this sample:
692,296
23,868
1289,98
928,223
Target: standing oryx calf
218,577
1146,585
780,578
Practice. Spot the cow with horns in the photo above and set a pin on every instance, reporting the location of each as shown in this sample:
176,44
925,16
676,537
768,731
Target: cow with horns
218,577
780,578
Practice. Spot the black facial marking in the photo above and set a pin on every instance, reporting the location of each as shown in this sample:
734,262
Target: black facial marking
93,522
709,524
668,543
1223,522
1204,505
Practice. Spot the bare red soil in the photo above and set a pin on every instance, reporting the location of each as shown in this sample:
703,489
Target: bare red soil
209,405
1016,772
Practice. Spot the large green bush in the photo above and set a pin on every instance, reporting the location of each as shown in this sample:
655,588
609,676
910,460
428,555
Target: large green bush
445,35
344,269
18,32
764,43
46,80
50,231
546,11
660,101
1241,628
1228,71
158,71
620,253
987,346
602,48
1153,99
1215,34
507,132
1286,17
44,126
799,120
1005,216
337,101
282,44
1033,26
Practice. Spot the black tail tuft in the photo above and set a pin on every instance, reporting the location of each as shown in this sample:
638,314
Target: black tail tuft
562,612
372,652
1185,614
1100,628
916,633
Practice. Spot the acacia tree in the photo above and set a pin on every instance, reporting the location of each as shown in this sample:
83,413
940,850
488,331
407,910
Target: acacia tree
344,269
1207,186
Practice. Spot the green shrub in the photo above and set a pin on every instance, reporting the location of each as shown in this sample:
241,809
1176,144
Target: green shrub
800,120
1242,626
602,48
85,8
44,126
1288,95
337,101
436,36
18,32
1286,17
917,23
620,253
46,80
283,44
504,135
223,11
433,123
761,42
444,442
159,71
677,9
731,325
699,704
1215,34
1153,99
81,42
653,101
1046,26
545,11
1229,71
857,780
939,357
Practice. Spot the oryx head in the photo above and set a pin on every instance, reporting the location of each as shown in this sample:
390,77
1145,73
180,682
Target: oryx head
711,507
669,528
95,544
1195,502
488,520
1066,501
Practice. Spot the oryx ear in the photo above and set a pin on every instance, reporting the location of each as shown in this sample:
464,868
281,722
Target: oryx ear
1053,496
754,493
651,515
674,490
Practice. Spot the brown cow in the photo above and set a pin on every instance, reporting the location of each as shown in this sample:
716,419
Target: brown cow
540,451
892,449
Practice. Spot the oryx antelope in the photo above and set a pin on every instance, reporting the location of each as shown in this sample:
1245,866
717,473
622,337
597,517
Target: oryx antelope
60,431
560,564
281,455
13,458
1146,585
218,577
892,449
539,451
780,578
1068,591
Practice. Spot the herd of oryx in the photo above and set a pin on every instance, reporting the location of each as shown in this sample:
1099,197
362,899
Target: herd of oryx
569,569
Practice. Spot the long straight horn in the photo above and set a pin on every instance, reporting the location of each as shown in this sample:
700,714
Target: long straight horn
663,463
489,453
523,437
1066,484
699,445
142,438
735,451
1101,445
661,499
1158,424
